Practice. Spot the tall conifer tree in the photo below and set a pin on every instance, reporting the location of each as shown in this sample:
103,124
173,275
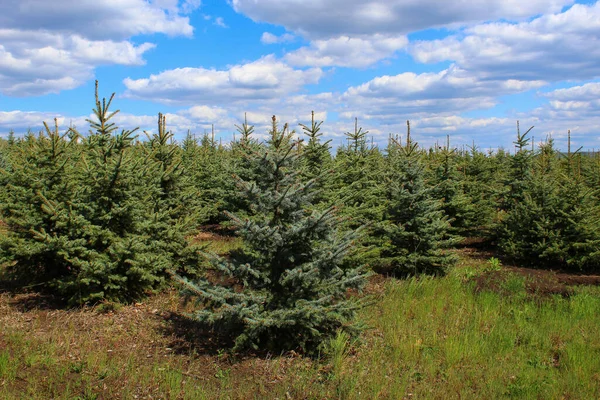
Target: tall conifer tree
415,229
317,158
286,288
448,187
40,179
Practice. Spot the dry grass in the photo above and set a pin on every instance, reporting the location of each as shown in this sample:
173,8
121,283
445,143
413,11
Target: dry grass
137,351
217,243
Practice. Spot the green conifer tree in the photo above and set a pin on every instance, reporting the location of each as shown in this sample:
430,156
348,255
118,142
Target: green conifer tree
415,230
520,170
555,223
527,228
11,138
286,287
205,180
176,212
40,182
357,182
448,187
113,205
483,180
94,220
239,166
316,158
356,187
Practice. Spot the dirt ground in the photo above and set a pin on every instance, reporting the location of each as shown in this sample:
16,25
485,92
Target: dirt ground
541,282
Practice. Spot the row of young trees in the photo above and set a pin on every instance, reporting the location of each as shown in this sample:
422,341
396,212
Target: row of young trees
95,217
107,216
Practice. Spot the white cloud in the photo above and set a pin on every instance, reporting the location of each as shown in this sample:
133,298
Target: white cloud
379,116
322,19
576,108
445,84
450,91
196,119
586,92
580,101
206,114
347,51
23,121
266,78
189,6
432,130
269,38
551,47
36,63
99,19
50,46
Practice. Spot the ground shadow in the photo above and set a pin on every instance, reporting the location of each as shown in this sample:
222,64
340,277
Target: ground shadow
26,296
24,302
201,339
481,243
219,230
194,337
398,272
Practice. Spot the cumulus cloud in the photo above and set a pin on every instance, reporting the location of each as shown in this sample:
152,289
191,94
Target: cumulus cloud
584,100
551,47
266,78
292,110
576,108
442,85
189,6
354,33
345,51
23,121
450,91
462,131
50,46
99,19
586,92
323,19
198,119
36,63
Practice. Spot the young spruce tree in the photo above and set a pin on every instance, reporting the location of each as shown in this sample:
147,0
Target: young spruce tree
114,210
448,187
176,211
39,178
287,289
316,159
357,188
415,228
556,222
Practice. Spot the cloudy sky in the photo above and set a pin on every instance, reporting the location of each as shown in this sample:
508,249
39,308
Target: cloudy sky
469,69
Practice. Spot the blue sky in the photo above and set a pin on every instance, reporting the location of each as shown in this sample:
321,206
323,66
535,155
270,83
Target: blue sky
467,69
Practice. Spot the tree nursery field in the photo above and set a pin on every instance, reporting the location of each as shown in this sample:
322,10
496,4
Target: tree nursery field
133,266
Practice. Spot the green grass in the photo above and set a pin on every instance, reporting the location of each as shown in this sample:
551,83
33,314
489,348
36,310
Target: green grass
427,338
437,338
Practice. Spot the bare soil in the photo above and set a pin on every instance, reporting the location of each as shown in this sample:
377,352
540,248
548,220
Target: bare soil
539,282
